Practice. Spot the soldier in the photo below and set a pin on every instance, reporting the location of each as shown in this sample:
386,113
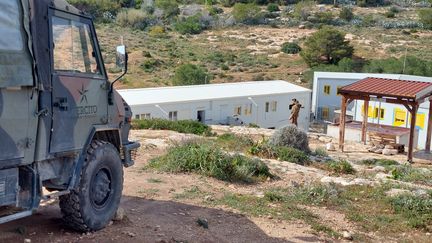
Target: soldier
295,110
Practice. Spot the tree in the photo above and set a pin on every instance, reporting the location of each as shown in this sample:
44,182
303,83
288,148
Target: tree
326,46
346,14
248,13
169,7
190,74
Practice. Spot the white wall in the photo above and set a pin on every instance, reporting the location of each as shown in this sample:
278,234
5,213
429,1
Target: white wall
216,111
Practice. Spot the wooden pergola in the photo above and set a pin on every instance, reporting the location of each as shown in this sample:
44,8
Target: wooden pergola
403,92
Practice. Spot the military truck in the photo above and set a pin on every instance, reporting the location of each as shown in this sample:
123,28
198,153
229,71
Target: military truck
63,128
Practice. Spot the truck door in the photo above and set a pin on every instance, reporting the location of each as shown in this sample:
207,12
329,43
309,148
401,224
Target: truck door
79,83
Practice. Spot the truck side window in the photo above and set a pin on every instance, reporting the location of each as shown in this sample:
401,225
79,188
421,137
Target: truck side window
73,47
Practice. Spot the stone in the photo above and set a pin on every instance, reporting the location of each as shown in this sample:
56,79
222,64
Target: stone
394,192
325,139
389,151
389,147
347,235
382,176
120,214
379,168
378,151
302,26
421,193
27,241
330,147
209,198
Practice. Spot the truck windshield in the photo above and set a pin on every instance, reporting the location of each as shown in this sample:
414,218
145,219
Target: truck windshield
73,47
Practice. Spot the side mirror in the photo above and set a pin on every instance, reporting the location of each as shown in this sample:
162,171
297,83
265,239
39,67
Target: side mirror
122,58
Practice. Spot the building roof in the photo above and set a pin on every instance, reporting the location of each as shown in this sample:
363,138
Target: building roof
342,76
177,94
395,88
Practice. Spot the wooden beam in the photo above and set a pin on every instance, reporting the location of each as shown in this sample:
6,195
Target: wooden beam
429,129
342,123
365,120
409,108
412,132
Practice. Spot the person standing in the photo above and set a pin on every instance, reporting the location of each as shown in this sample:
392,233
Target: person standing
295,110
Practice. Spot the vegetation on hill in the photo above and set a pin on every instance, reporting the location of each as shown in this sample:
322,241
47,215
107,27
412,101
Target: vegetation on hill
163,35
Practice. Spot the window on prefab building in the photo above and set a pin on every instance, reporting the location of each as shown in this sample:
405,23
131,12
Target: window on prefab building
381,114
400,116
238,110
370,111
327,89
267,106
145,116
172,115
137,117
248,109
274,106
337,90
325,113
420,120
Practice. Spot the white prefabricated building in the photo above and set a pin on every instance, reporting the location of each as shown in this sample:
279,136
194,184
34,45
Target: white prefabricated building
265,103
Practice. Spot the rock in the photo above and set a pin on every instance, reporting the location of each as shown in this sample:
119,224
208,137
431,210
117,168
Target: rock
389,151
382,176
421,193
325,139
208,198
330,147
302,26
27,241
379,168
120,214
362,182
203,223
394,192
389,147
347,235
378,151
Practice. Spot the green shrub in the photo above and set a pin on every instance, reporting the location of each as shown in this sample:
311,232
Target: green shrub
209,160
372,3
247,13
425,16
133,18
292,155
227,3
411,174
233,142
273,7
169,7
150,65
346,13
157,31
417,210
320,152
97,8
326,46
380,162
290,136
190,74
341,167
323,17
389,14
189,25
290,48
303,10
413,66
182,126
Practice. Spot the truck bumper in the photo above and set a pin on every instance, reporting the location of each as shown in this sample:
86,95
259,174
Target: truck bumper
129,153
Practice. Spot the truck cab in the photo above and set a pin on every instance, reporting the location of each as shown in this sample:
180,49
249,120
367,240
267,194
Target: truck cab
63,127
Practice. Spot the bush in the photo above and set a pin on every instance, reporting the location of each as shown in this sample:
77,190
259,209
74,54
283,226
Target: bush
413,66
96,8
291,136
273,7
157,31
183,126
380,162
169,7
150,65
410,174
425,16
322,17
206,159
290,48
326,46
415,209
303,10
346,14
233,142
247,13
190,74
189,25
389,14
341,167
133,18
269,151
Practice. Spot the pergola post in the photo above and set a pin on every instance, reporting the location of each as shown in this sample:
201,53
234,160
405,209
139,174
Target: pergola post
412,132
365,120
429,128
342,123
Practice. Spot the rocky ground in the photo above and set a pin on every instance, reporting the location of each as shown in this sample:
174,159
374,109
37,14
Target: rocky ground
162,207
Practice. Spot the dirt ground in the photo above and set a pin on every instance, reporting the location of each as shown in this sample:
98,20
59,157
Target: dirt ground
158,208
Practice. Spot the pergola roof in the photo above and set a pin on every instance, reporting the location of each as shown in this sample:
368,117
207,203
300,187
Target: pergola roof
391,88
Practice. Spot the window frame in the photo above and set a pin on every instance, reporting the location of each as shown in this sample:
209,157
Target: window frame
274,105
238,110
171,115
52,12
329,89
267,107
325,110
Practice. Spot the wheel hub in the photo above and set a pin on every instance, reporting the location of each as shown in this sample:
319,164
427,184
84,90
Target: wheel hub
101,188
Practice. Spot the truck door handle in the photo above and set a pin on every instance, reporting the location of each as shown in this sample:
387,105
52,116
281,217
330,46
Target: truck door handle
61,103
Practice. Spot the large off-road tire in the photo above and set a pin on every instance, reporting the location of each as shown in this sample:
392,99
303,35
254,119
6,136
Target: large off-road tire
92,205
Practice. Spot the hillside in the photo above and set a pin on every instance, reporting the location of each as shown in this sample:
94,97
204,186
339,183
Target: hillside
238,51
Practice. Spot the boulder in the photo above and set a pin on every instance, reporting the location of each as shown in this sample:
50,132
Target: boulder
389,151
330,147
302,26
378,151
325,139
379,168
389,147
382,176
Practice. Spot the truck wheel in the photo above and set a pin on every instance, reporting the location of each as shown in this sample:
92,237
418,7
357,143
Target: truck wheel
94,203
